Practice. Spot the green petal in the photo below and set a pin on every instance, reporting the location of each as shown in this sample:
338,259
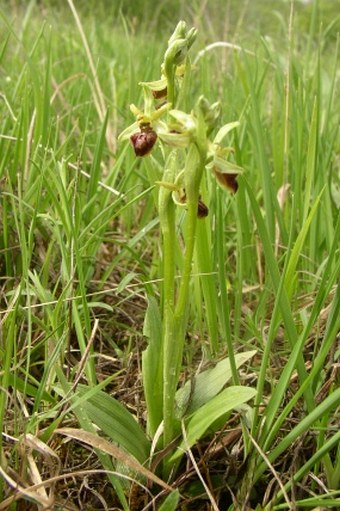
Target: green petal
156,85
186,121
130,130
180,140
222,132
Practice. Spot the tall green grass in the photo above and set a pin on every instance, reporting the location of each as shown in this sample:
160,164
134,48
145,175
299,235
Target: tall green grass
80,238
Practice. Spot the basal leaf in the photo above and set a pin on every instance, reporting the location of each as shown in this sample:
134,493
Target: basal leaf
117,423
197,425
207,384
170,503
152,367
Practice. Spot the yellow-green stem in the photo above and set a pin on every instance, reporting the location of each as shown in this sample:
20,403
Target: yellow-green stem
175,321
167,222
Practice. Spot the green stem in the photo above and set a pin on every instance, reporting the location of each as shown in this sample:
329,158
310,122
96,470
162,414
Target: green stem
182,300
167,222
170,78
175,321
168,228
193,175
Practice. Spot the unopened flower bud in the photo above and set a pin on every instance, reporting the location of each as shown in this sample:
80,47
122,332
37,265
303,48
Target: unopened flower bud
179,32
176,53
211,113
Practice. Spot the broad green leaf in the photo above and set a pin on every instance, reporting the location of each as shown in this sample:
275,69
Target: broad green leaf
204,417
117,422
170,503
207,384
152,367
